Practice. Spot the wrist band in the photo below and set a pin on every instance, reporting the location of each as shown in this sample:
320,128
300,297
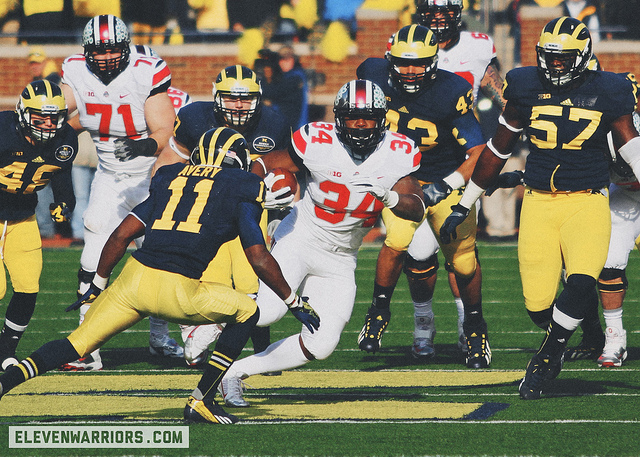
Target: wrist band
291,298
100,282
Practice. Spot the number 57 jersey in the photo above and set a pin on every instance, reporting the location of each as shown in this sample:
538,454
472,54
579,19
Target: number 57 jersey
333,211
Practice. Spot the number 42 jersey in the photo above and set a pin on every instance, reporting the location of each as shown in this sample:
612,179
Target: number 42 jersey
333,211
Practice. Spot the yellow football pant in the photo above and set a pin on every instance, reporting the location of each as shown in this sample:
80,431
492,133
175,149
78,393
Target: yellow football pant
460,253
573,228
21,249
140,291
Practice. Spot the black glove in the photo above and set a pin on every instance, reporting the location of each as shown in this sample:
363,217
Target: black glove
457,217
303,311
60,212
87,298
506,181
127,149
435,192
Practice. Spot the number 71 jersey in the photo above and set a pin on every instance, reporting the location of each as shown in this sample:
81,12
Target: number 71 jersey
334,211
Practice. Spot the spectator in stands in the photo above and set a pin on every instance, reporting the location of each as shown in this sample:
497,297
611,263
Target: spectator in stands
212,16
586,11
148,18
41,67
620,19
256,20
286,87
84,10
45,22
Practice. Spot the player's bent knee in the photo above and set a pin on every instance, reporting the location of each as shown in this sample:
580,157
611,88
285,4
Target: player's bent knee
319,348
421,269
612,280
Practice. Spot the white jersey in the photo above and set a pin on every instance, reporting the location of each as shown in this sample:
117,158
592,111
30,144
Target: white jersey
116,110
469,58
178,98
332,210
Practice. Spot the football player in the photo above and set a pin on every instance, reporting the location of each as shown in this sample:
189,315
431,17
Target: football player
202,205
567,111
237,103
471,55
435,108
355,168
122,100
37,148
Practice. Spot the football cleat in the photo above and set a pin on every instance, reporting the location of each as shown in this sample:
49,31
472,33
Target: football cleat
539,370
91,362
478,349
197,341
588,349
7,362
165,346
207,411
615,348
423,335
231,388
376,321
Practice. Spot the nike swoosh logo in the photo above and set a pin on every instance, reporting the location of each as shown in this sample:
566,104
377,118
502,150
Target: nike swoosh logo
125,95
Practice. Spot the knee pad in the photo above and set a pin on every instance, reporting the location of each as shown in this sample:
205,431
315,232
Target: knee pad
612,280
420,269
541,318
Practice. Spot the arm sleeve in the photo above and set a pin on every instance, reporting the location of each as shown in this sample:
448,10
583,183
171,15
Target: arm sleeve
249,214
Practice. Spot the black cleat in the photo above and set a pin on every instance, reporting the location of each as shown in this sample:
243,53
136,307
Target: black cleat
478,349
539,370
374,324
209,412
588,349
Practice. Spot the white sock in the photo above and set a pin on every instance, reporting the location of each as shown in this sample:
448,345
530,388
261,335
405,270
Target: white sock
281,355
613,318
423,315
83,311
158,327
460,307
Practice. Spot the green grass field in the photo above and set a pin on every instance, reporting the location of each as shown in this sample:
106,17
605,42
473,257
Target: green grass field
352,404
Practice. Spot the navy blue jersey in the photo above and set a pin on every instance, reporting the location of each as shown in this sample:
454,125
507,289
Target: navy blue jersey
439,119
567,130
192,210
270,132
26,168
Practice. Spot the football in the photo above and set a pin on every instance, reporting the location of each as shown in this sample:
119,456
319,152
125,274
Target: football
284,179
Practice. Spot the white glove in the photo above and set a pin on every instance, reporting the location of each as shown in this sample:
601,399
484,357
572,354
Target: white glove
371,185
278,199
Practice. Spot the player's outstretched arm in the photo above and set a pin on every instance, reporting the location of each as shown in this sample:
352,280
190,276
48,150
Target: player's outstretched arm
275,159
627,141
268,270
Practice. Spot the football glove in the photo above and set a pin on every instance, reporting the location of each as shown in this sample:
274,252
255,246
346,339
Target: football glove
303,311
435,192
277,199
371,185
457,217
86,299
127,149
60,212
506,181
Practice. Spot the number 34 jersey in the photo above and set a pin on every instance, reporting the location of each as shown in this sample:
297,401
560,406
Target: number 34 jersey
116,110
333,211
567,130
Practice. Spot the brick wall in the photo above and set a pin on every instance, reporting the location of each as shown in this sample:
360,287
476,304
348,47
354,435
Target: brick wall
194,66
614,55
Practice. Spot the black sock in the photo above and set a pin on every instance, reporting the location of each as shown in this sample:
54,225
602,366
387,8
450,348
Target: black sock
555,341
261,338
473,315
228,347
382,296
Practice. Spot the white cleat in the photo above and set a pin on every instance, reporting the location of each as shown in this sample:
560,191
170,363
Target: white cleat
91,362
231,389
615,348
165,346
197,341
